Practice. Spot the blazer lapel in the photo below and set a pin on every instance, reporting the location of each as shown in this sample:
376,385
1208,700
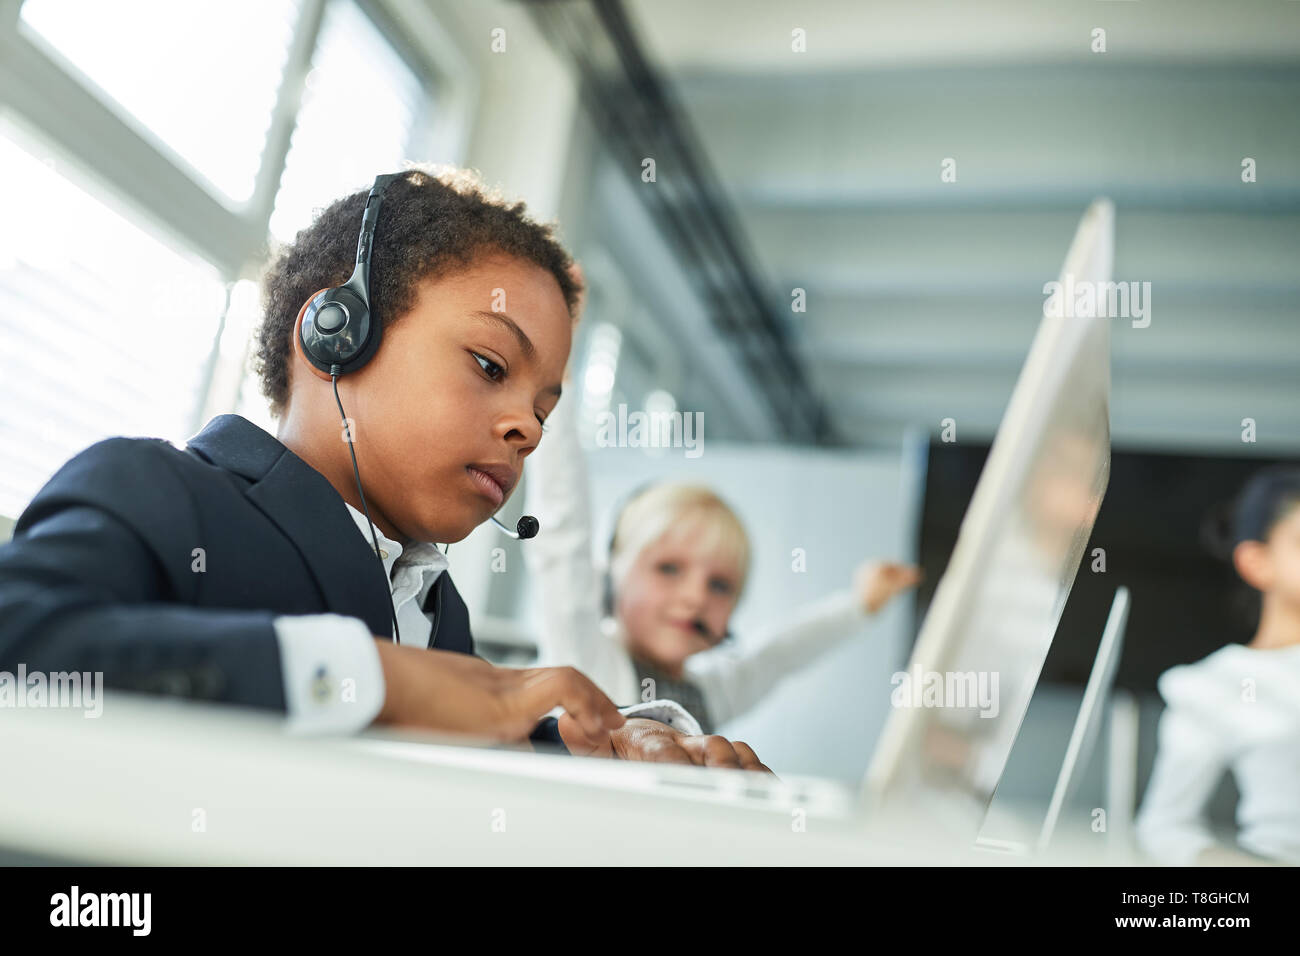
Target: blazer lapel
433,609
448,617
310,512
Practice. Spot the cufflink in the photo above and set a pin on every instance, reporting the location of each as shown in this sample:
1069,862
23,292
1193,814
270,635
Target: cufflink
322,688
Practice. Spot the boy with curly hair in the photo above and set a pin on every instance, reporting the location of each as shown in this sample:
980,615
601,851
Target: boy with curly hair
245,568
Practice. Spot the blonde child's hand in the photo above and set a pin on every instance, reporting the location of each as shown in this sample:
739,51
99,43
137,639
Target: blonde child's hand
876,582
653,742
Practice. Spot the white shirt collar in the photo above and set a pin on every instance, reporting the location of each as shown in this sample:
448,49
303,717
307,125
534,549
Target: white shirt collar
422,555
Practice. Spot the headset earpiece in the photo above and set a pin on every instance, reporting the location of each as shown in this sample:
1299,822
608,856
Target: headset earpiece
608,591
607,595
338,328
337,332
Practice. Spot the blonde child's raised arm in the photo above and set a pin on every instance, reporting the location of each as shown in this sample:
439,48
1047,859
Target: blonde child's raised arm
560,560
735,680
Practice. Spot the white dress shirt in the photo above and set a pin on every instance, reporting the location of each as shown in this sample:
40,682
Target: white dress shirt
1236,710
333,681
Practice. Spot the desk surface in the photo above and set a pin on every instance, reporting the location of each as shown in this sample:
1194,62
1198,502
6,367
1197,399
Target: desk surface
159,781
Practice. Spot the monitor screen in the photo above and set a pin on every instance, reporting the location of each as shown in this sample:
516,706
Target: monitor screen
1187,600
958,706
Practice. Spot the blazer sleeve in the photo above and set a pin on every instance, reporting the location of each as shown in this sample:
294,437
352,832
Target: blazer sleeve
95,580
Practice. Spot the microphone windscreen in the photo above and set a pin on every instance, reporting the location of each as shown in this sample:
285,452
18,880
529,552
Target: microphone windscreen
527,527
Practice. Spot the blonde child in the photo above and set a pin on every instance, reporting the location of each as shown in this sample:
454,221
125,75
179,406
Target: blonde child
656,620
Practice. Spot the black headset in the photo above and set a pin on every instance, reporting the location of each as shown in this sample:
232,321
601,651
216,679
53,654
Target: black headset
607,585
339,335
337,332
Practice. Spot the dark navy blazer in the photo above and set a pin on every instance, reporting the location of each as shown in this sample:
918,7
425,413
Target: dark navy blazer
103,574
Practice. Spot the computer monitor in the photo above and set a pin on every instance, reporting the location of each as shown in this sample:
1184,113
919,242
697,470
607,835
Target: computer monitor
1087,724
957,708
1091,709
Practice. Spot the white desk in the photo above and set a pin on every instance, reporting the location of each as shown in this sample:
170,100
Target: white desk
128,788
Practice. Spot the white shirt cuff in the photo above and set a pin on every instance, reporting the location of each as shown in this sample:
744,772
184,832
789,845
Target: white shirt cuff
333,681
666,712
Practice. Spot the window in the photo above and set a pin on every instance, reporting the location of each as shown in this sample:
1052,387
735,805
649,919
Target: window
359,109
222,61
113,325
105,329
600,371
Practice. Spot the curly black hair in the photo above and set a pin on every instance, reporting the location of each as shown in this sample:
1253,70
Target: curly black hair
434,219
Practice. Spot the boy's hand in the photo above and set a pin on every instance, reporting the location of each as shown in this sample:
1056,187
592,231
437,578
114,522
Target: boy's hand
877,582
460,693
650,740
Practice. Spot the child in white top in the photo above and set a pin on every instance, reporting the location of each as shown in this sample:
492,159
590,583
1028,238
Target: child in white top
1239,708
677,567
